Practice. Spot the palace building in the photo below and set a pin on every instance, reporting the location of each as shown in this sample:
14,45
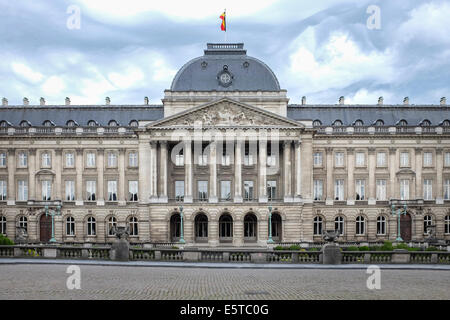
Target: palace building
225,160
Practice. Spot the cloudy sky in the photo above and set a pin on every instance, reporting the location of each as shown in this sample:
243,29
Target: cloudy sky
131,49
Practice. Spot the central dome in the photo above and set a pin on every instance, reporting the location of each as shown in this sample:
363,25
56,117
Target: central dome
225,67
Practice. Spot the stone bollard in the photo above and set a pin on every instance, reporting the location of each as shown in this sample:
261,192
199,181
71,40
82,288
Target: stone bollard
401,256
367,258
226,256
294,257
331,254
49,252
434,258
191,255
258,257
157,255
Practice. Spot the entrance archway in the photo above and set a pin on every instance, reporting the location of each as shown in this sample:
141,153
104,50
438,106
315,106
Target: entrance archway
405,227
45,228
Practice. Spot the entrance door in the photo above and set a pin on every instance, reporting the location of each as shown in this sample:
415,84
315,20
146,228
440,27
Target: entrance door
405,227
45,227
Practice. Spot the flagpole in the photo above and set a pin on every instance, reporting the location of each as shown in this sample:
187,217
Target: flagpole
225,11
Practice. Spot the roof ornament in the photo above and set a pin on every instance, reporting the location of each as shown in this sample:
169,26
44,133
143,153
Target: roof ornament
4,102
26,102
146,100
341,100
443,101
67,101
406,101
42,101
225,77
246,64
107,101
204,64
303,100
380,101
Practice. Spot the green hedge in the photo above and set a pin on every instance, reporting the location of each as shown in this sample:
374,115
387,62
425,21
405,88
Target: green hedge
4,241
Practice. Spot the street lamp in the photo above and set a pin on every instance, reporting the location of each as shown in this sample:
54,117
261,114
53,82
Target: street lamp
270,226
398,212
181,225
53,213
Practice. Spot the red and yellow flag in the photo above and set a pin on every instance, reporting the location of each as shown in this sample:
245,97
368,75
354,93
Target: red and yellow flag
223,26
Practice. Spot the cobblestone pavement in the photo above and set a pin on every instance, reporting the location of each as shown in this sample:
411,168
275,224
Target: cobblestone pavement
37,281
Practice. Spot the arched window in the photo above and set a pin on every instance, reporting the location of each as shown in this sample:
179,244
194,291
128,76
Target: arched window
317,123
445,123
425,123
318,223
360,225
25,123
381,225
225,227
70,226
175,227
3,225
4,123
92,123
133,123
48,123
91,227
23,223
71,123
427,221
337,123
133,224
402,123
446,224
113,123
112,222
250,227
358,123
276,227
339,224
201,227
379,123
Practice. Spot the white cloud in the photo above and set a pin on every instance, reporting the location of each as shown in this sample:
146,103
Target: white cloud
126,79
53,86
26,72
363,96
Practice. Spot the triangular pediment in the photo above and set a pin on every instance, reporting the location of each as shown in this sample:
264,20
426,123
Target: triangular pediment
226,112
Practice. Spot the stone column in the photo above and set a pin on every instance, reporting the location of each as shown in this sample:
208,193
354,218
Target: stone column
213,172
144,171
350,176
11,178
188,175
58,172
287,171
32,174
238,171
100,178
163,197
372,183
392,169
439,167
329,182
418,169
121,193
306,172
298,171
79,179
153,171
262,174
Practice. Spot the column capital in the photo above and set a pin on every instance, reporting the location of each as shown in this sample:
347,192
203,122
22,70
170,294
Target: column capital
329,149
287,142
418,150
11,150
122,150
79,150
372,150
350,150
297,143
32,151
153,144
439,150
163,143
392,150
58,151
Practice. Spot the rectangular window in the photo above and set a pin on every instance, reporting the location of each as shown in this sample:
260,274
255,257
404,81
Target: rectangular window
428,189
381,190
225,190
427,159
179,190
404,189
202,160
2,190
23,190
381,159
226,159
339,159
248,190
447,159
404,159
90,159
360,159
339,189
133,159
112,190
202,190
46,190
70,190
91,189
360,189
46,160
447,189
23,159
133,190
70,160
248,156
271,190
318,190
179,158
2,159
318,160
112,160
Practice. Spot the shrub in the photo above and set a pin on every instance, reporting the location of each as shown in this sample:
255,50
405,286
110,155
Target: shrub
375,248
431,249
5,241
402,246
278,248
352,248
175,247
313,249
387,246
294,247
364,248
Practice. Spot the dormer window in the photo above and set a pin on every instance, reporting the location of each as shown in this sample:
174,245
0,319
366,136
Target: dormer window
4,123
337,123
445,123
425,123
379,123
402,123
25,123
133,123
92,123
48,123
317,123
358,123
113,123
71,123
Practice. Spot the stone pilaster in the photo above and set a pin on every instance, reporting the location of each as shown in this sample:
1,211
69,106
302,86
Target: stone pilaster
57,165
298,171
238,171
392,170
79,178
287,171
306,171
144,171
372,183
121,184
32,174
418,169
163,197
153,171
329,182
100,178
188,176
212,197
11,178
262,173
350,176
439,182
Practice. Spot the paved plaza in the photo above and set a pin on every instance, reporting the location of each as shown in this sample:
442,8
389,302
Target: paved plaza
48,281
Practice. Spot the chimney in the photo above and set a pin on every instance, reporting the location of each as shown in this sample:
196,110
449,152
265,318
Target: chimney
380,101
67,101
303,100
4,102
146,100
26,102
342,100
42,101
107,101
443,101
406,101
